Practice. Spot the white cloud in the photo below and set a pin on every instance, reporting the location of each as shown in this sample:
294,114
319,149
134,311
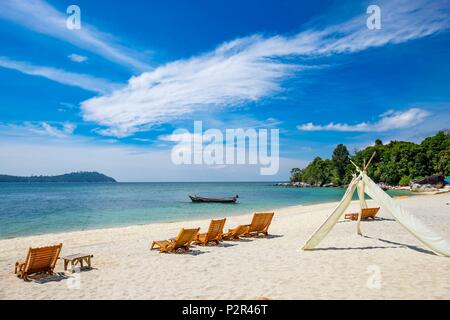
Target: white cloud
67,105
41,17
390,120
235,121
66,130
77,58
37,130
180,136
183,87
251,68
83,81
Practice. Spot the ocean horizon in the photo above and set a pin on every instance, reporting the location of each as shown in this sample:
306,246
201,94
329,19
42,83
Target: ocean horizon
28,209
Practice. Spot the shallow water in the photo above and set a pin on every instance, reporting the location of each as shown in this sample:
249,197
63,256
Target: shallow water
38,208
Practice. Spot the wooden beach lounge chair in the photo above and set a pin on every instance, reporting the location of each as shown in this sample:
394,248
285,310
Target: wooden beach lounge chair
214,233
182,241
368,213
38,260
260,223
236,233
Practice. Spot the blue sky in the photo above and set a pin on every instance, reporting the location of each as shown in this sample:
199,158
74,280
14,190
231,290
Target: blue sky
108,96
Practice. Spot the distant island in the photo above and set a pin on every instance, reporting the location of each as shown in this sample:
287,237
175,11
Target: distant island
68,177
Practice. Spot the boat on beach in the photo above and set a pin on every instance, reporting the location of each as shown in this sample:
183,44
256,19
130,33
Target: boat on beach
214,200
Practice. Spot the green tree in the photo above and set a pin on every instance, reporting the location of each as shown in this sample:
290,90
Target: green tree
295,174
340,160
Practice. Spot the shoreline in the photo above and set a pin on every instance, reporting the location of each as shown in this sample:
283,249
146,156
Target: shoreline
273,267
183,219
158,223
237,214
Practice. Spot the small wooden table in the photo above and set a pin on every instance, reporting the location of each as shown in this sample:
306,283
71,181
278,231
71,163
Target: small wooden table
79,258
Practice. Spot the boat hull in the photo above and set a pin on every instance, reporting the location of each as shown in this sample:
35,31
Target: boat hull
213,200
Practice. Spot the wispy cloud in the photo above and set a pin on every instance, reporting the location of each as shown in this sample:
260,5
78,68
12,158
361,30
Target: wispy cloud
66,130
252,68
83,81
41,17
219,79
390,120
37,129
180,136
77,58
66,106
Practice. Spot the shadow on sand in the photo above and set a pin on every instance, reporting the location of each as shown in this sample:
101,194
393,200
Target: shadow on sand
271,236
250,239
367,220
403,245
353,248
43,278
394,245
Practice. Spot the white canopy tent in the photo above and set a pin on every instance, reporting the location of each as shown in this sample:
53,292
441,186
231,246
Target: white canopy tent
364,184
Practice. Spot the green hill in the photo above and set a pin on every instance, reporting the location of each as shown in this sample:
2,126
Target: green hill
395,163
68,177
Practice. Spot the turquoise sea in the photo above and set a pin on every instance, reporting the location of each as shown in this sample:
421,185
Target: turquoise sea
38,208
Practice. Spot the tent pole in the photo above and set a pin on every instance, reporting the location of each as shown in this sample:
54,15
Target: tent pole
368,163
362,205
357,168
358,222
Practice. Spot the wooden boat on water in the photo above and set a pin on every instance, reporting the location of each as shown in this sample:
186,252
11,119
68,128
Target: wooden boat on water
216,200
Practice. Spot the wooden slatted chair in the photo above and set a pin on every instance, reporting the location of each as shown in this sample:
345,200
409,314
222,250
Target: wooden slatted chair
260,223
367,213
38,260
214,233
236,233
182,241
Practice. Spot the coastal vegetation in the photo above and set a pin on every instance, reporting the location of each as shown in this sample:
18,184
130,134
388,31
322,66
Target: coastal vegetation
395,163
68,177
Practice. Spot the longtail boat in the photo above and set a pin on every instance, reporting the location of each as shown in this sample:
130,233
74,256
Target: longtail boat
218,200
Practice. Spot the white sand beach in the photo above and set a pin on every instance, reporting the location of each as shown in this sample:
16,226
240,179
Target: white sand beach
387,263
